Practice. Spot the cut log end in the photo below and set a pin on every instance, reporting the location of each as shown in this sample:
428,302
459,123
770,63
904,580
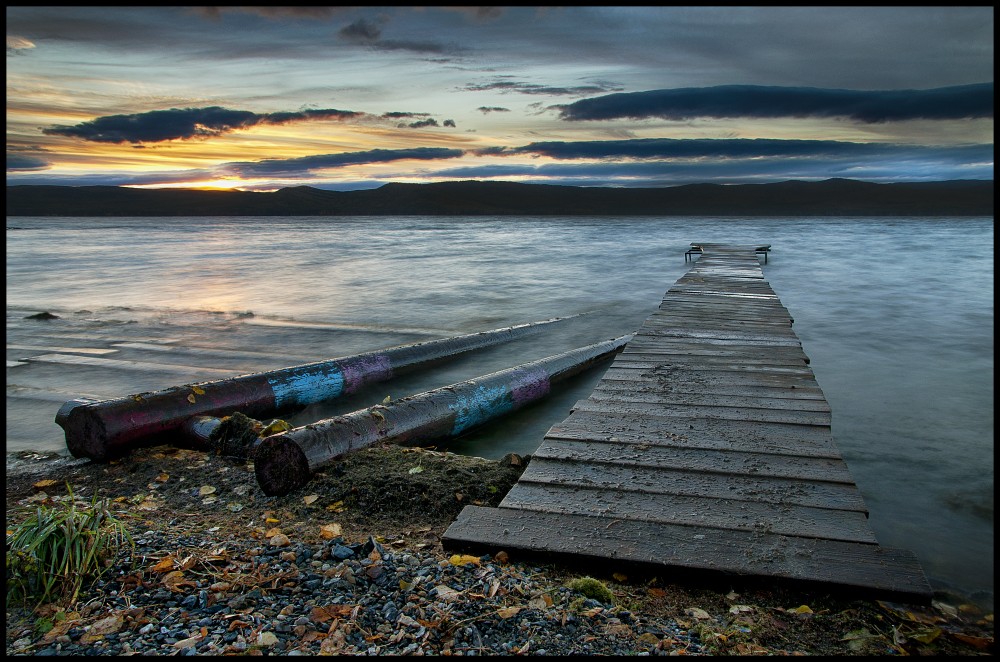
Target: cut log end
280,466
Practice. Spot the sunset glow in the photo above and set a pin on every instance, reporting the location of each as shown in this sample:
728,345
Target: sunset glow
346,98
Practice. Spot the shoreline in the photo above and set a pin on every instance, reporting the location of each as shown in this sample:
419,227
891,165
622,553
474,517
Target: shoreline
188,503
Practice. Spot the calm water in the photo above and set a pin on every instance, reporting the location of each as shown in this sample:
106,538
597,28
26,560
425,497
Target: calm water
896,315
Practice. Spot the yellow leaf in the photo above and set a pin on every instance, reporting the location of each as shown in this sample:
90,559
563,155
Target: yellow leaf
42,484
312,498
166,564
163,477
190,398
199,391
388,399
271,520
336,507
508,612
274,427
463,559
801,609
328,531
619,576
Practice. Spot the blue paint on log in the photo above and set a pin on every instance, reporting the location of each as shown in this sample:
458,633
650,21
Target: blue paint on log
307,385
481,405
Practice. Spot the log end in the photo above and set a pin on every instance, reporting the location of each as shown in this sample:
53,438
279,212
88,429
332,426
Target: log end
280,466
86,435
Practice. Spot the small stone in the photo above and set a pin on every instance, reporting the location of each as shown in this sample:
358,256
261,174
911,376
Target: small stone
279,540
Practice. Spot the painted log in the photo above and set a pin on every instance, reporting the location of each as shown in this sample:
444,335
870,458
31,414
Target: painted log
106,429
286,461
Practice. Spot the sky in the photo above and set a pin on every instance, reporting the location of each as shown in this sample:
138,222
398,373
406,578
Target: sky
345,98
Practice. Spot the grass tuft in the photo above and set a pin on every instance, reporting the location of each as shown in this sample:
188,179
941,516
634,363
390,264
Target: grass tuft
52,553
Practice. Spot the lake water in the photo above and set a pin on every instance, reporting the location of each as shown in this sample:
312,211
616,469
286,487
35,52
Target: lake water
896,315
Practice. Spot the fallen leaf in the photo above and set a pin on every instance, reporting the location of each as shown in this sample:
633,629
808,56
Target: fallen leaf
311,499
175,580
330,612
695,612
387,400
105,626
415,470
336,507
801,609
463,559
42,484
190,398
329,531
206,490
199,391
163,477
270,533
166,564
619,576
740,609
981,643
447,593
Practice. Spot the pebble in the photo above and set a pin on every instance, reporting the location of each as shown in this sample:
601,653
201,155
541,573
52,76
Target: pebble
361,600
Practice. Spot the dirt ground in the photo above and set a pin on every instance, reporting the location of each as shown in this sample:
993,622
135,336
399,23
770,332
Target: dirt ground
409,496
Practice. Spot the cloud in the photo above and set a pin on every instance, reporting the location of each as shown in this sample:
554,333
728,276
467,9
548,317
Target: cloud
310,13
729,148
308,164
492,109
369,33
16,161
450,123
959,102
184,123
17,45
521,87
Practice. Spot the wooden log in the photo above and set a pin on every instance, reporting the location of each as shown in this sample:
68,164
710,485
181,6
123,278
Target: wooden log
109,428
286,461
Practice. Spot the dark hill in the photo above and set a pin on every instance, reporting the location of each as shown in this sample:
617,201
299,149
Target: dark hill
833,197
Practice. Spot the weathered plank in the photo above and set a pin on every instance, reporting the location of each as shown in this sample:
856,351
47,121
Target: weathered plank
668,480
754,436
721,461
866,568
737,515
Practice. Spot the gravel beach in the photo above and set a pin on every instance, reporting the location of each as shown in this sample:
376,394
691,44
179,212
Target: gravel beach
352,565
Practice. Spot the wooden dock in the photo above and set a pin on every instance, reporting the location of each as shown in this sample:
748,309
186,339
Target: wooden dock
705,450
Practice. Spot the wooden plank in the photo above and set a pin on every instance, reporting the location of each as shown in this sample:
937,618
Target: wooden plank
698,411
705,399
667,480
680,375
718,434
863,567
645,361
653,384
785,519
720,461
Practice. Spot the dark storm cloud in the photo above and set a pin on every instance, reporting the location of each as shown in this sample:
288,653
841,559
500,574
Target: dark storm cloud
419,124
521,87
369,33
959,102
395,115
492,109
16,161
734,148
450,123
183,123
307,164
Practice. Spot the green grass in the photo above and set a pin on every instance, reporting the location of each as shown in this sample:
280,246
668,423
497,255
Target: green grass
52,553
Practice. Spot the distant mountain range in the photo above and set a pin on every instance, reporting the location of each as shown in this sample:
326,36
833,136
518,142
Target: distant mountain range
832,197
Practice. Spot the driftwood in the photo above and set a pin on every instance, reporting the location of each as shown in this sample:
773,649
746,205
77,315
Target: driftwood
104,429
286,461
